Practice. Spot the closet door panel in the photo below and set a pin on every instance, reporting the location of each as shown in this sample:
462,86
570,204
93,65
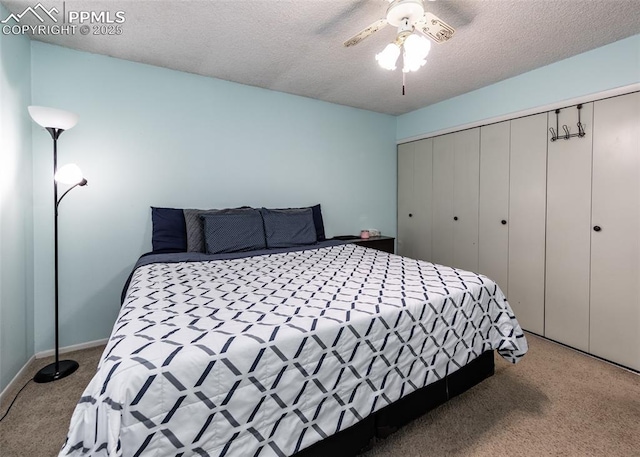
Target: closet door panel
568,242
466,189
493,239
527,203
615,249
442,209
407,236
422,186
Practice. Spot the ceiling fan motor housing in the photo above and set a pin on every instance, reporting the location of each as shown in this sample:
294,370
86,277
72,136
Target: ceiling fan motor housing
413,10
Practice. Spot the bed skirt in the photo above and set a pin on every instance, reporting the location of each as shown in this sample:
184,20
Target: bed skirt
381,424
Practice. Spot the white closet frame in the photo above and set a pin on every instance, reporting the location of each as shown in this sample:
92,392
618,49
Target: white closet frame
574,319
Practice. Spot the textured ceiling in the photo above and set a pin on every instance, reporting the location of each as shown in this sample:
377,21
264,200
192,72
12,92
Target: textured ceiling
295,46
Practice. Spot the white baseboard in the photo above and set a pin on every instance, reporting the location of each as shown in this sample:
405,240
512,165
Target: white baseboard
16,377
591,356
73,347
50,352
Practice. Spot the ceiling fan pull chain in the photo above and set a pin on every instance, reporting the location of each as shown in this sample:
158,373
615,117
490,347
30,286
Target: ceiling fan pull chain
403,81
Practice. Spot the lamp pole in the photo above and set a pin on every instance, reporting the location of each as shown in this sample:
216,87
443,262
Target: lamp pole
57,370
55,134
56,121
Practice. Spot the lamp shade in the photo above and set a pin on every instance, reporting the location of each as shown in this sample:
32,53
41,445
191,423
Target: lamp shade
52,117
69,174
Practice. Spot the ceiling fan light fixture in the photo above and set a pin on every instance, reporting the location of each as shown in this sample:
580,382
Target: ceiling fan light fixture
389,56
416,48
401,10
417,45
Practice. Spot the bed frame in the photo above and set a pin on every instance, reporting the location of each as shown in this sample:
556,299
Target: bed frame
359,437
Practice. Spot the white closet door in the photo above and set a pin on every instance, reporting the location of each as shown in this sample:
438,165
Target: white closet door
493,243
466,190
442,210
527,197
569,231
422,195
407,230
615,248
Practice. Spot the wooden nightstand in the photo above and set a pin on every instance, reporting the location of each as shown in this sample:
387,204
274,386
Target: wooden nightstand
381,243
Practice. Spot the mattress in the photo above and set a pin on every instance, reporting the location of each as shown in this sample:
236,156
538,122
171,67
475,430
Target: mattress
267,354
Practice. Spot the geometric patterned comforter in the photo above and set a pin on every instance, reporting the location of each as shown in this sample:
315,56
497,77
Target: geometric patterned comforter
266,355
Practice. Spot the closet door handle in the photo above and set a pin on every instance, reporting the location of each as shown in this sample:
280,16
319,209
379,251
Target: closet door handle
410,215
597,228
503,222
455,218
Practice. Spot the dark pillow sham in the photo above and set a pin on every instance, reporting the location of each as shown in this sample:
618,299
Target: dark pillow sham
178,230
233,232
288,227
195,225
317,220
169,233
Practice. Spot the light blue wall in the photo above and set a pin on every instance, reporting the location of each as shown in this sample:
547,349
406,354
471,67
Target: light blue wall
16,220
152,136
608,67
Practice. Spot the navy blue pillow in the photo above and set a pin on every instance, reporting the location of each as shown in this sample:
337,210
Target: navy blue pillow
317,221
233,232
169,231
195,225
288,227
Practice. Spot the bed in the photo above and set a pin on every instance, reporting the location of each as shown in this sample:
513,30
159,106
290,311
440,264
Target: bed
299,350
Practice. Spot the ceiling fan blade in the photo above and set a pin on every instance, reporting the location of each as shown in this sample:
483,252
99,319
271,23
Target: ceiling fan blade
366,32
435,28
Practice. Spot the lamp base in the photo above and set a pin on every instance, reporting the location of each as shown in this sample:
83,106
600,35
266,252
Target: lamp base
49,373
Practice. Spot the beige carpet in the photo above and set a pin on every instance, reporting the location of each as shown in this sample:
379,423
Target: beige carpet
556,402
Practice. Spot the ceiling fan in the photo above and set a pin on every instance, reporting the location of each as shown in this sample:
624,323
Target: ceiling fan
408,16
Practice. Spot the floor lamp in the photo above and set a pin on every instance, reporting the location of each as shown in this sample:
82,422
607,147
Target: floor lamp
56,121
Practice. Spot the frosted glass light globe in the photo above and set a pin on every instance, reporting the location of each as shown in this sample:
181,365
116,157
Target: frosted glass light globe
388,57
416,49
69,174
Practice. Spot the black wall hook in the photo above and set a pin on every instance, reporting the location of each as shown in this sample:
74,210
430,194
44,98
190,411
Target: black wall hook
567,133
